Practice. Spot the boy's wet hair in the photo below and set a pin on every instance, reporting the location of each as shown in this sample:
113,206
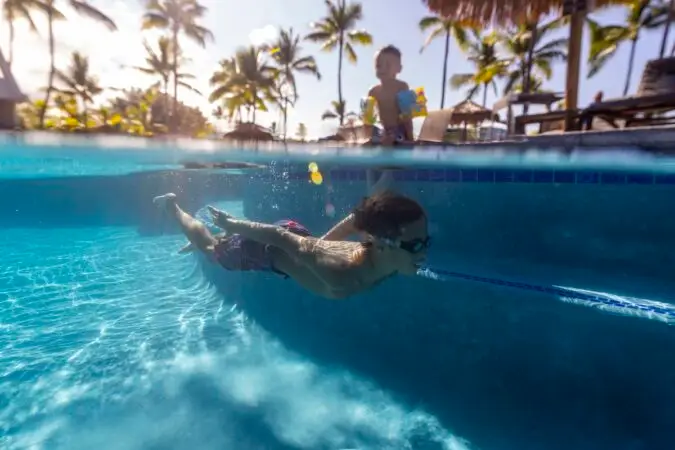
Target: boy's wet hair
390,50
384,214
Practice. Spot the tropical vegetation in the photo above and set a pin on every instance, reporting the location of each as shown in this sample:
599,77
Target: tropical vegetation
337,30
266,77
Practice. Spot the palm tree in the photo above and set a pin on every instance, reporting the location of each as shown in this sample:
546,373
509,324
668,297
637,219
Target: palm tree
666,16
160,64
447,27
529,59
81,7
482,52
280,94
177,16
233,99
336,30
302,132
287,54
605,40
245,80
21,9
79,83
337,110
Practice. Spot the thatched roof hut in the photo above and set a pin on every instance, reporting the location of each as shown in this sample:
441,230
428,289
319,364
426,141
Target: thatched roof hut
468,111
249,132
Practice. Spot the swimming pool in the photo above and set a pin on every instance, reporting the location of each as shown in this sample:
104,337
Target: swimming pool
110,339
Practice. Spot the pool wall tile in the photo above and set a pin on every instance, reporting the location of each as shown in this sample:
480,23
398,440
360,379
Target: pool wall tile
543,176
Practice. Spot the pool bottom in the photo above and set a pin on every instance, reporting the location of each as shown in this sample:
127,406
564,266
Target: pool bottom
112,340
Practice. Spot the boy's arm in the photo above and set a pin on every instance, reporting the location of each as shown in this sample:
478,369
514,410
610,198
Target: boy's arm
292,244
407,122
408,125
341,231
269,234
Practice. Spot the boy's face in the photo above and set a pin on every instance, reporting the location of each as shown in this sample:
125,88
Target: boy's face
387,66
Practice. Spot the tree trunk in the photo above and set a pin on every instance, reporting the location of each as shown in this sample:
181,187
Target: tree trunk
287,70
165,102
341,44
445,67
52,62
485,91
255,104
631,61
174,117
85,113
285,117
529,61
523,76
11,41
528,65
666,28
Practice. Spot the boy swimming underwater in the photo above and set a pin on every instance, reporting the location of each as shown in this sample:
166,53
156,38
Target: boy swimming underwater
396,241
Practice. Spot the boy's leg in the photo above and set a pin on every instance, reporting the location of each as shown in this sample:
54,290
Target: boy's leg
194,230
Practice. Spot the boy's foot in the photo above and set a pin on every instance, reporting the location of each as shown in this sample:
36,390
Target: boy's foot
163,201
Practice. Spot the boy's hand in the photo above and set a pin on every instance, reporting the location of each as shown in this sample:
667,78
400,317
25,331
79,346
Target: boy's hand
220,218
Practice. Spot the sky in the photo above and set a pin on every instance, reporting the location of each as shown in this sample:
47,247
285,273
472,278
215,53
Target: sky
235,24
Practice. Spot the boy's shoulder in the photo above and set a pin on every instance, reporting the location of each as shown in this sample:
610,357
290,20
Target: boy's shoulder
394,86
402,85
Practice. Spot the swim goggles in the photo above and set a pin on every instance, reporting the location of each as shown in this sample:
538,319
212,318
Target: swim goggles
412,246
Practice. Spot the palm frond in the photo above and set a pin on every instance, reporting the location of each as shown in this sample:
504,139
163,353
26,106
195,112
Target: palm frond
361,37
154,20
189,87
319,36
430,22
435,33
85,9
199,34
460,80
351,54
328,115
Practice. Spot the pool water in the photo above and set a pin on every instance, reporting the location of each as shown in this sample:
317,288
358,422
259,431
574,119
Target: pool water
110,339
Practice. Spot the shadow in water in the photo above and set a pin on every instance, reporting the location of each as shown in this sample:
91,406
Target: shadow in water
501,368
198,416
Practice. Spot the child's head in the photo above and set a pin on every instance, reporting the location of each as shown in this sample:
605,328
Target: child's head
388,63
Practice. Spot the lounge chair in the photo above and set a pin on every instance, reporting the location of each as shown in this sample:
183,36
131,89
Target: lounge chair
655,96
432,132
548,121
434,127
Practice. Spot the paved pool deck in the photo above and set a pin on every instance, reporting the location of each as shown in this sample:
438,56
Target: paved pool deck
655,139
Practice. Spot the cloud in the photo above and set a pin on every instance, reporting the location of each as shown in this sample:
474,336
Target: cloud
264,35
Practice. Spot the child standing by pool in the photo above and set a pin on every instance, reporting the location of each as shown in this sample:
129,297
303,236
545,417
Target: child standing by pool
386,94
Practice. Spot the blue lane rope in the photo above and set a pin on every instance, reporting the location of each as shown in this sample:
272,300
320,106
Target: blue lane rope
597,299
